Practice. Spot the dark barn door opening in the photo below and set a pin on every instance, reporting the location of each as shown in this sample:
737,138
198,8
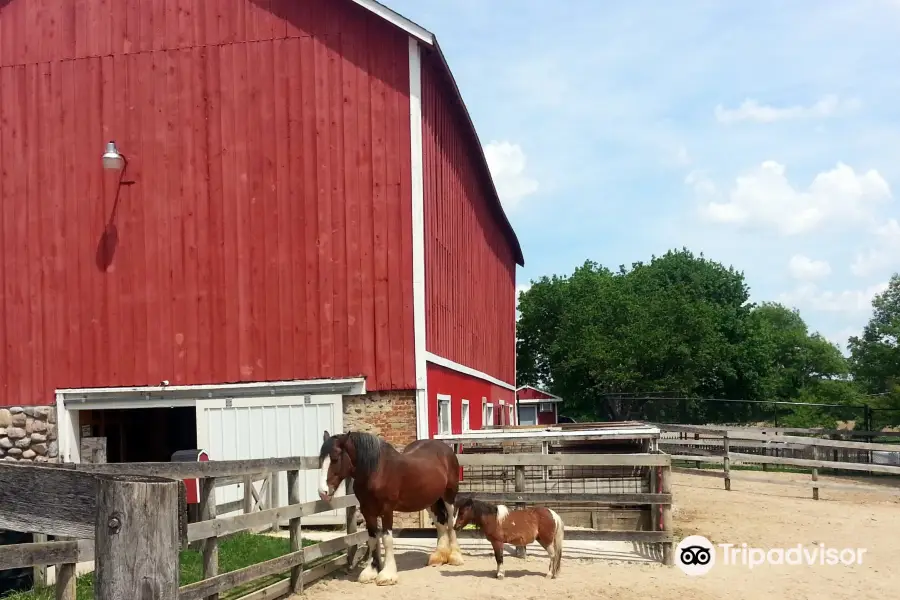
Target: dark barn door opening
142,434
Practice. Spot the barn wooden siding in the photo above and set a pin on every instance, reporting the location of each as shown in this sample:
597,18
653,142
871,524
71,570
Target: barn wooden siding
470,276
263,231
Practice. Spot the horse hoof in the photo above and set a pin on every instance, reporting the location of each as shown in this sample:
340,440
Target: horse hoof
436,559
367,576
386,580
455,559
500,575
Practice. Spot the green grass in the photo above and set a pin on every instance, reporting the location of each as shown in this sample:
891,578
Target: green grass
237,552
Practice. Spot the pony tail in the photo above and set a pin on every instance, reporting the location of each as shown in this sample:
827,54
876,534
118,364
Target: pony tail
558,536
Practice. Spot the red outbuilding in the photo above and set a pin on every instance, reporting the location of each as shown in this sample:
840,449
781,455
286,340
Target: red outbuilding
294,228
536,406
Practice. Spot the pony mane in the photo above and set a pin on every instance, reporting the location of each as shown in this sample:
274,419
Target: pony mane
368,451
480,508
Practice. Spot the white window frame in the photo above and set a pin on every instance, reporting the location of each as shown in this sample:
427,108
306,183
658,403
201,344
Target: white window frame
466,416
511,414
545,407
503,413
487,419
442,399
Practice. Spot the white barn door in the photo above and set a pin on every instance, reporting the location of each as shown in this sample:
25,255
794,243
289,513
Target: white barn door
270,427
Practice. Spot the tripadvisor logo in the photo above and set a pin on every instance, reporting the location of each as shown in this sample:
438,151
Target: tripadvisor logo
696,555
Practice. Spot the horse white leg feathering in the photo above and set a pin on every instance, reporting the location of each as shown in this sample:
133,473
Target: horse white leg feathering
370,572
388,575
455,557
442,552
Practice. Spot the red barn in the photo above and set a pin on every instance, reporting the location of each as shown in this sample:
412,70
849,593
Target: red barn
299,231
537,407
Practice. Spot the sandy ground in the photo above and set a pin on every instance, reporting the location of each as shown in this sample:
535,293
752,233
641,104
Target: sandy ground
759,514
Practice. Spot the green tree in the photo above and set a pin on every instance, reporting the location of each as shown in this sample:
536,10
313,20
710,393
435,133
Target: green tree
680,325
875,355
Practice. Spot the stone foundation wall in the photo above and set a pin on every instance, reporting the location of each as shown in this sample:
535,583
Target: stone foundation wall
391,415
28,434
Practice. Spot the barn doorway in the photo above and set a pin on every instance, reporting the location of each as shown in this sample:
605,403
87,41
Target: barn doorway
141,434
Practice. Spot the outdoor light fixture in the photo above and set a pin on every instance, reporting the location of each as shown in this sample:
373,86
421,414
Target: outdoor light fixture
112,160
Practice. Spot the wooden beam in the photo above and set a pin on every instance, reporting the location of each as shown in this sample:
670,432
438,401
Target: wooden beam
59,501
819,464
192,470
564,497
224,526
564,460
282,588
810,441
232,579
45,553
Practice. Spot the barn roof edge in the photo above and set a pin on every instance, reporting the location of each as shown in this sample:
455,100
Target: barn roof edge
423,35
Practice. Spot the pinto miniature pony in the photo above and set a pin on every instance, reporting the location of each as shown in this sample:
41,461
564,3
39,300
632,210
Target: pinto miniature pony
515,527
424,476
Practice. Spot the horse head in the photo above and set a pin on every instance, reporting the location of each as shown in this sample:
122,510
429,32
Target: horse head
465,512
336,459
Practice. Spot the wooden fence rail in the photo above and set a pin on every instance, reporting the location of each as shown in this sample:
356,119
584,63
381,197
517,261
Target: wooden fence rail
138,509
717,443
659,499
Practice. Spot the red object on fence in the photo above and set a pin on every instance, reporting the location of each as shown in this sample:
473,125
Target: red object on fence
192,486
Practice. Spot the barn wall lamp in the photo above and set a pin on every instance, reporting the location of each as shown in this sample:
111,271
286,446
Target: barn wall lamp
112,159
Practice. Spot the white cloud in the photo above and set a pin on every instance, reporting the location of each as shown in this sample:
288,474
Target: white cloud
883,255
703,186
806,269
507,162
809,296
765,198
751,110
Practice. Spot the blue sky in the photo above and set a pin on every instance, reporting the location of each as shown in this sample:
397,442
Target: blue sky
764,134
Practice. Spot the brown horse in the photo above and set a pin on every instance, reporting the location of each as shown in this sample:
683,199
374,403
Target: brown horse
424,476
517,528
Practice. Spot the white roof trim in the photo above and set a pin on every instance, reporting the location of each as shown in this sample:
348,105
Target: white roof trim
539,390
397,19
349,386
454,366
539,401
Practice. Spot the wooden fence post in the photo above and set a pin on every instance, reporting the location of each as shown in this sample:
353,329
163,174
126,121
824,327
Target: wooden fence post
665,475
275,497
210,545
248,494
726,462
65,581
655,509
815,474
520,487
293,484
137,517
351,525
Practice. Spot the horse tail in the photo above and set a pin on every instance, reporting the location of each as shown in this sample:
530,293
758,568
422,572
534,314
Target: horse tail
558,535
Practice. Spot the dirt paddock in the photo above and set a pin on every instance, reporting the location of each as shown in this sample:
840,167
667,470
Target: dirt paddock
759,514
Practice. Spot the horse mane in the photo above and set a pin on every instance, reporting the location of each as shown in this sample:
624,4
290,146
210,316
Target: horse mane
368,447
480,508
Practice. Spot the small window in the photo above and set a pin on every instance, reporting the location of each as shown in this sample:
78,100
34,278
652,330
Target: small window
465,415
512,415
488,415
443,414
546,407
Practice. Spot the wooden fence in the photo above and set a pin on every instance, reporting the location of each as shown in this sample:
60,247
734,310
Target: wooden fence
658,499
121,511
715,445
